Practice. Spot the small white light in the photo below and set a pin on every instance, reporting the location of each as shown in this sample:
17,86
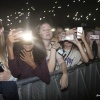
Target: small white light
89,14
66,29
19,21
67,5
7,16
40,18
96,8
67,15
53,29
54,14
56,2
59,7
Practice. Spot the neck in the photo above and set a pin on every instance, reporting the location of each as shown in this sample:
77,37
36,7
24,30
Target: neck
47,43
29,53
67,48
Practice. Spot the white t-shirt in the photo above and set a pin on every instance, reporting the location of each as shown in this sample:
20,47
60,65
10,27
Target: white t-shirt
72,58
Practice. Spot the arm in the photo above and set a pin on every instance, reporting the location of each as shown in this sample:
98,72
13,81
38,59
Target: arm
42,71
81,49
64,78
11,39
88,49
15,71
52,59
83,54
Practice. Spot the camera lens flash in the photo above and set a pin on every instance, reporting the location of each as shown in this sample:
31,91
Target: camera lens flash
27,36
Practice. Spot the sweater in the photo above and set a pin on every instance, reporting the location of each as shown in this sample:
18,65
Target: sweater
22,70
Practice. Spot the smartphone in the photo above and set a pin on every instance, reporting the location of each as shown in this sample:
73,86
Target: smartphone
69,37
95,37
79,31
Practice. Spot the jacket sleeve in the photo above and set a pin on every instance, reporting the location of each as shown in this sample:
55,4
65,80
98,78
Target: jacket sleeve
13,66
42,71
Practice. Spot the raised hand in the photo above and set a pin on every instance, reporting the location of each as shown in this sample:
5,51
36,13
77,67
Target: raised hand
13,37
71,31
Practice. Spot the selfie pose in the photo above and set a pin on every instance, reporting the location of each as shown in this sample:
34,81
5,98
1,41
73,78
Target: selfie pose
8,87
27,58
75,48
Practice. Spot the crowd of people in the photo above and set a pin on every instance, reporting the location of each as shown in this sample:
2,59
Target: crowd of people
45,52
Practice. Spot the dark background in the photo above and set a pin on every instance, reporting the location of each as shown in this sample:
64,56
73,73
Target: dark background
9,7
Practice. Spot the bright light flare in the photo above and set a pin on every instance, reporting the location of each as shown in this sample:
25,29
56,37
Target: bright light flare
27,36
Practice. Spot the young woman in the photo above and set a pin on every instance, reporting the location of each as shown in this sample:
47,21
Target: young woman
27,59
8,87
46,34
94,44
74,53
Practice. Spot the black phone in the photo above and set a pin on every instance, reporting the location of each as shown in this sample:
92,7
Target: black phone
1,67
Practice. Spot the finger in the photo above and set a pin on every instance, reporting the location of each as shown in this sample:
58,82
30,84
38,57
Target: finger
10,33
61,84
23,52
32,55
22,59
16,36
22,56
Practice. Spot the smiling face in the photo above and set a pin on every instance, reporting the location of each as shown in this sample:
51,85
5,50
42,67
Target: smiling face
45,31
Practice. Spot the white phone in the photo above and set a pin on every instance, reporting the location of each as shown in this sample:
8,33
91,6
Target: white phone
95,37
79,31
69,37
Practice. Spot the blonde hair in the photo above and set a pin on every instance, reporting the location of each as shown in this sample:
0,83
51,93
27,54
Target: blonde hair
3,53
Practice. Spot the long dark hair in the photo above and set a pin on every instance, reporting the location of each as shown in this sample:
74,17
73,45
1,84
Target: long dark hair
39,50
95,49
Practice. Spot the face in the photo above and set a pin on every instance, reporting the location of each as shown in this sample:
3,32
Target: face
88,36
45,31
59,31
28,47
67,44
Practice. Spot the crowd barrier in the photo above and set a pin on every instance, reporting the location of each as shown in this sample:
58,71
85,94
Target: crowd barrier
83,84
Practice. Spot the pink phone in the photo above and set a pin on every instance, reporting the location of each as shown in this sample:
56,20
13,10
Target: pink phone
95,37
